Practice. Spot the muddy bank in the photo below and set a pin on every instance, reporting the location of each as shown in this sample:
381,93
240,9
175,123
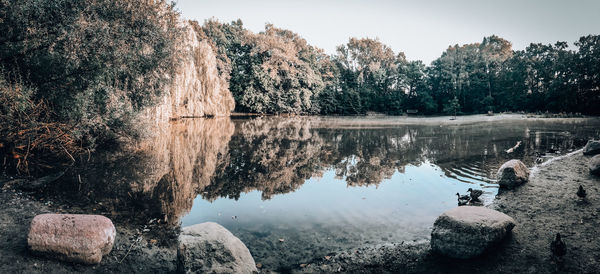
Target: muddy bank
147,248
544,206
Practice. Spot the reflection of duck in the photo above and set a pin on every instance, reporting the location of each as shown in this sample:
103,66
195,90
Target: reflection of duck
552,149
558,248
463,199
475,193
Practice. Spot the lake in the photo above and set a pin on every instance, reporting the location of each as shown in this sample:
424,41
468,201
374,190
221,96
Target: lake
297,188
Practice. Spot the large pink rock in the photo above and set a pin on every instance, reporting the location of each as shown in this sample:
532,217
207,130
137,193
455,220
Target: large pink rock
72,237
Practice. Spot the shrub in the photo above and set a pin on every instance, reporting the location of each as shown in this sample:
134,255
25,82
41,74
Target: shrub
28,130
94,63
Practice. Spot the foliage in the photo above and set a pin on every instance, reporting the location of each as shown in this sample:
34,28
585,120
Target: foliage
371,68
452,106
276,71
94,62
28,130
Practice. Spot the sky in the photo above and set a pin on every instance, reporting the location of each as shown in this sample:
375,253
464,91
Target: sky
421,29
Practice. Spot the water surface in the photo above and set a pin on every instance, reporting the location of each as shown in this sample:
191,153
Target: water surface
297,188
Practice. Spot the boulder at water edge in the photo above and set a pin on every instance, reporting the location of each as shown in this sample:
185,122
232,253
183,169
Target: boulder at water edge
512,173
595,165
211,248
592,147
468,231
72,237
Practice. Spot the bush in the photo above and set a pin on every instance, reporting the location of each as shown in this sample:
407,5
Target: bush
28,130
94,63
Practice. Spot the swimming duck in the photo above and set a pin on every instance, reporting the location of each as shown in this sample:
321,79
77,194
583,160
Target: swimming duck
475,193
463,199
558,248
581,192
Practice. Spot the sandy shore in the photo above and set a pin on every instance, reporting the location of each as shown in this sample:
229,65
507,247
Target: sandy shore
542,207
384,121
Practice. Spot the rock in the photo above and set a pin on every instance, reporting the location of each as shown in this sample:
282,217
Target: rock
595,165
211,248
512,174
592,147
468,231
72,237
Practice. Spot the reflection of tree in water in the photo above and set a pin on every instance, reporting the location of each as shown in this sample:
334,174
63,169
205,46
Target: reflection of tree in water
158,178
276,155
271,155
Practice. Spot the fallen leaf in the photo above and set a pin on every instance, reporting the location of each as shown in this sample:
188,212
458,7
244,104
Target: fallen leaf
259,265
282,240
328,258
303,265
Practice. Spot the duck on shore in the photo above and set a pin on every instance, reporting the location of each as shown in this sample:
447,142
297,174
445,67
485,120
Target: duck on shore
558,248
581,192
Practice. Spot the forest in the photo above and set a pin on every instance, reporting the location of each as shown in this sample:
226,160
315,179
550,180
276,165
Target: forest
75,74
277,71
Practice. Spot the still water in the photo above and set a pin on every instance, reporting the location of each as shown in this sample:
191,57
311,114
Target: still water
298,188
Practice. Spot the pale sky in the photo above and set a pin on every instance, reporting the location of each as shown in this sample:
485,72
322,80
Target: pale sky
421,29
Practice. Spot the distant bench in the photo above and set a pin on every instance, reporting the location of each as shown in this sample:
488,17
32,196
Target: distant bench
412,111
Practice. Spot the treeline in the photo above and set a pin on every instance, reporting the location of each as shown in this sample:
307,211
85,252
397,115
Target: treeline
277,71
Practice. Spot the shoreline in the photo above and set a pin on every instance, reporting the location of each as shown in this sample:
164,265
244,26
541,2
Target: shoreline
547,204
376,121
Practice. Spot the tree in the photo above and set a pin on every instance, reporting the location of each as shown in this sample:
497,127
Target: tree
588,74
452,106
372,68
274,71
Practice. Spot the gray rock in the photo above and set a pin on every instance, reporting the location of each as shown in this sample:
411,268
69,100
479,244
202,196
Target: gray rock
512,173
72,237
595,165
468,231
211,248
592,147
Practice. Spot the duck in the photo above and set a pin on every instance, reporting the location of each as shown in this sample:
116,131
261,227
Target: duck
558,248
539,160
475,193
463,199
581,192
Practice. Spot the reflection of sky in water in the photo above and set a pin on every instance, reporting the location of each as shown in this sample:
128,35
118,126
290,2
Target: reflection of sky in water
401,208
410,198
